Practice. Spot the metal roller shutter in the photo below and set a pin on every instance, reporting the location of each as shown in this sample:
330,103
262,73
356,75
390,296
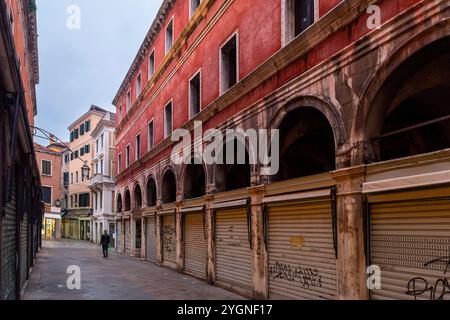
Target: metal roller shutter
127,236
302,259
8,272
23,251
169,240
195,255
119,236
150,238
410,242
233,253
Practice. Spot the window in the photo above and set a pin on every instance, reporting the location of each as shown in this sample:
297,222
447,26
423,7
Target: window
127,160
71,201
81,152
75,132
138,85
128,101
66,158
76,154
83,200
71,178
193,7
66,179
71,136
46,168
119,163
82,129
120,112
101,200
151,137
101,166
194,95
47,195
138,146
87,149
76,175
76,200
102,141
72,156
229,64
87,125
168,120
96,146
151,65
169,36
298,16
95,201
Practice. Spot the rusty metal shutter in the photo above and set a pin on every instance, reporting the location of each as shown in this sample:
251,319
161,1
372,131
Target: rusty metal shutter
233,253
195,254
127,236
302,258
8,272
119,236
169,240
150,239
410,242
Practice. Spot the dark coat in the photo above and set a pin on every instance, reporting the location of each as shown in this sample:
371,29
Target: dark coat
105,241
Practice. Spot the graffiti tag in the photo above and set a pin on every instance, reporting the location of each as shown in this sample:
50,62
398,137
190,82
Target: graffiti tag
306,276
169,235
419,286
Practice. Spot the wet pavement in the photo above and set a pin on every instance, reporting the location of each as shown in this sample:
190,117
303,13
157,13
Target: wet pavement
119,278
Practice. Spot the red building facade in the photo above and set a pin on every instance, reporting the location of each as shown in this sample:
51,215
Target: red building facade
334,85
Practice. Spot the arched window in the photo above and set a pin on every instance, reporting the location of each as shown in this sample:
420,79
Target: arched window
138,196
127,200
307,144
119,203
151,193
194,181
169,187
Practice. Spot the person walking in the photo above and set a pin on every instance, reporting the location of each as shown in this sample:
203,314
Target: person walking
105,241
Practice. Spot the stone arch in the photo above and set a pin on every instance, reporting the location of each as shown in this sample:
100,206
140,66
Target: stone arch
151,191
364,130
137,195
127,200
169,185
194,179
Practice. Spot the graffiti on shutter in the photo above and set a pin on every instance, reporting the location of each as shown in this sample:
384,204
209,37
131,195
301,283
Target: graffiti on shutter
169,239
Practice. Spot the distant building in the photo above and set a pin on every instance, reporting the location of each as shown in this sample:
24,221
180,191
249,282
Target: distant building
49,162
21,211
78,212
101,182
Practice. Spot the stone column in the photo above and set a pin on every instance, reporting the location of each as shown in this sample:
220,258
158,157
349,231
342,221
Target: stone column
352,277
259,254
159,257
143,238
211,265
179,237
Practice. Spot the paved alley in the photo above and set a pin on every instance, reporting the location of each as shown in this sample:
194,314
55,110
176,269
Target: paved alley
118,278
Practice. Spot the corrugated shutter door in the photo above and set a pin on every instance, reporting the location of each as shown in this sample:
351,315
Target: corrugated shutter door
302,259
410,241
233,253
119,236
195,255
24,251
127,236
169,240
150,238
8,272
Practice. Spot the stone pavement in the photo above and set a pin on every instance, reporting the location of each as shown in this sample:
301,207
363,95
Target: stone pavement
118,278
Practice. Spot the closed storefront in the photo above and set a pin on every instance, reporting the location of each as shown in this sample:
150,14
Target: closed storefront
150,239
195,252
301,250
8,276
127,231
233,253
410,242
169,240
119,236
23,251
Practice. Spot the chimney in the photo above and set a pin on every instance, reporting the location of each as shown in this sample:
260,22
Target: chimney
52,139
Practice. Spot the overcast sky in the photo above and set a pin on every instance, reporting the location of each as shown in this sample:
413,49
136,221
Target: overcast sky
81,67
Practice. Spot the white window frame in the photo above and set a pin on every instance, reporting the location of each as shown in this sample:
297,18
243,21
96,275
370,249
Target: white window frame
128,102
51,168
192,12
171,22
138,85
127,156
119,163
51,194
287,37
165,119
198,73
151,74
150,144
234,34
137,153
